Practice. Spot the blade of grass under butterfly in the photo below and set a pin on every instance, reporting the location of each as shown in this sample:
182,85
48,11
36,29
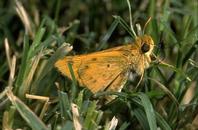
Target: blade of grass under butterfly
74,81
88,119
150,113
79,100
64,105
161,122
140,115
68,126
165,90
124,126
99,117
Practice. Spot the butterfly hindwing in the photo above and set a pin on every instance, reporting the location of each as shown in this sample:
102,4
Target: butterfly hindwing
98,75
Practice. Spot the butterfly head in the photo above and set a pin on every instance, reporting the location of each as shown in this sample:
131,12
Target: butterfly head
146,44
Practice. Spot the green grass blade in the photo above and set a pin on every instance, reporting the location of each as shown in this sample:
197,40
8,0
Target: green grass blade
140,115
74,81
150,113
33,121
67,126
64,104
166,91
108,34
79,100
124,126
162,123
191,37
90,112
190,40
124,25
36,43
24,62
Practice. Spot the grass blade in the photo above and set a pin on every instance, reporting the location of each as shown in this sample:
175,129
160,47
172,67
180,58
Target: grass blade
150,113
33,121
108,34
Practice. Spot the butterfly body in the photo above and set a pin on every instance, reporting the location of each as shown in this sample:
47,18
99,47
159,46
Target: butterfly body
109,69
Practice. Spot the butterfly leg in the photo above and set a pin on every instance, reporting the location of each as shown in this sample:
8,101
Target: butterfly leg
117,85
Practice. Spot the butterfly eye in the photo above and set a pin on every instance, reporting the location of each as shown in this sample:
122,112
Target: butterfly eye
145,48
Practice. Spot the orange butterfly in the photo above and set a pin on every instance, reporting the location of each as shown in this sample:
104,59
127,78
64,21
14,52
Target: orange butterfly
109,69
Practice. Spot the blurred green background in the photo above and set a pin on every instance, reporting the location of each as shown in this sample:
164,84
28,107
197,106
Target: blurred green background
34,33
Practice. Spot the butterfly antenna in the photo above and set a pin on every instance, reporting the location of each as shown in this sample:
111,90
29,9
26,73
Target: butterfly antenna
130,17
149,19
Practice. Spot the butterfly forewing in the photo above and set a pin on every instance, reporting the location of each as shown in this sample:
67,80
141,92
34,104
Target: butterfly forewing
96,71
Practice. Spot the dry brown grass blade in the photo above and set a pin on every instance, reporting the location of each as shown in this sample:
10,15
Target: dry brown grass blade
11,62
41,98
113,124
22,13
76,119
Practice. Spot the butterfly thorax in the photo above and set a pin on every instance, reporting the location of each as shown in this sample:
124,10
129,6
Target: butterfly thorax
140,54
